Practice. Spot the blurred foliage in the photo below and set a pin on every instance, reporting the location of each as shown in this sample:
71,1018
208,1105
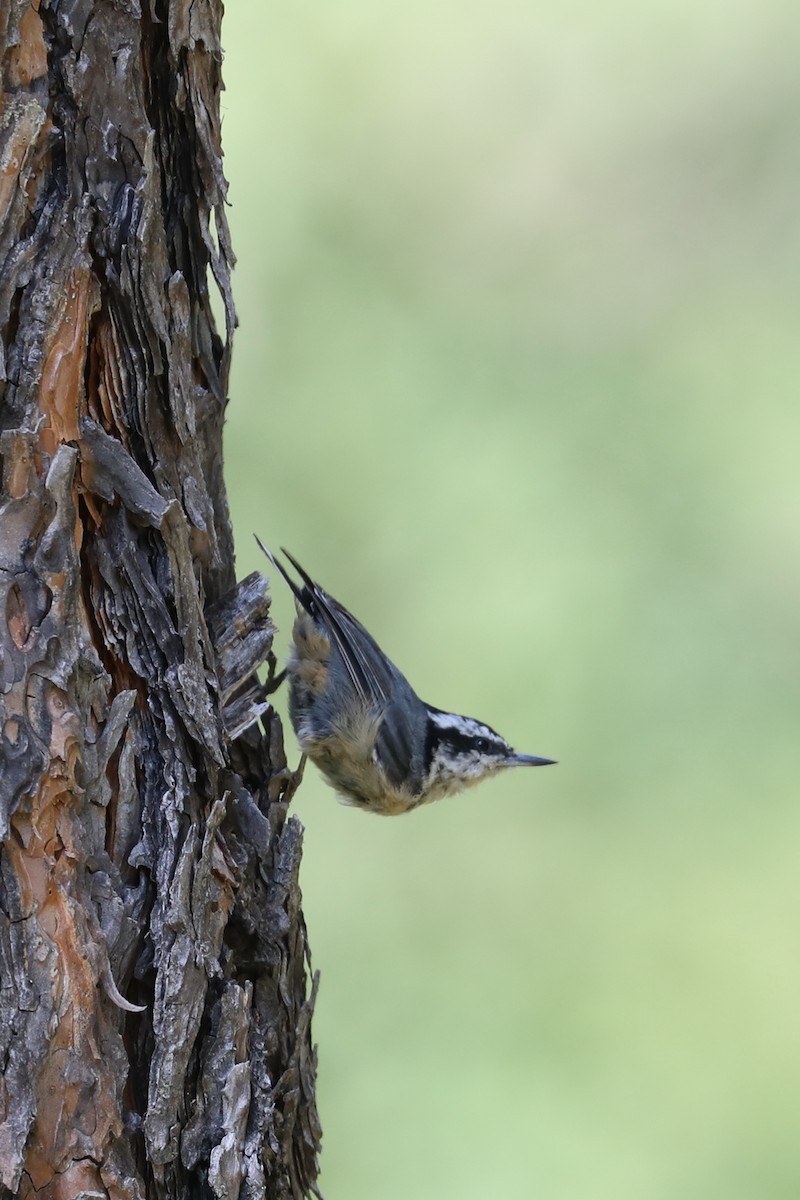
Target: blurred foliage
516,380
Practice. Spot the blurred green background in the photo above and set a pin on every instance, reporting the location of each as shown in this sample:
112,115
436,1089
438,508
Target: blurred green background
516,379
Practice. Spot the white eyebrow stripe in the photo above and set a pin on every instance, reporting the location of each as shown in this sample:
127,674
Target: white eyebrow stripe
467,726
453,721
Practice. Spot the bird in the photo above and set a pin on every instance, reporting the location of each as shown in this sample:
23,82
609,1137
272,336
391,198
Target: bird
361,723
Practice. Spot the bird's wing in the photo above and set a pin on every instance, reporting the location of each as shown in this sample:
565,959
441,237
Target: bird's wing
394,746
370,671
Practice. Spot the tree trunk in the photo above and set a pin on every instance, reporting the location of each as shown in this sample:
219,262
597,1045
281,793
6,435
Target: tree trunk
154,1015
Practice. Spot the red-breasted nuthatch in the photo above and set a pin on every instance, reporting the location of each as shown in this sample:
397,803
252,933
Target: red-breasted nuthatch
362,724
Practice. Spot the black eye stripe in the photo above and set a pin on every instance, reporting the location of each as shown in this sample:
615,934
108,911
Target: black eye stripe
463,743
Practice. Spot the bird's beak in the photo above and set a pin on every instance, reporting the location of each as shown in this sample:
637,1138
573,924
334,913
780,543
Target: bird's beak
529,760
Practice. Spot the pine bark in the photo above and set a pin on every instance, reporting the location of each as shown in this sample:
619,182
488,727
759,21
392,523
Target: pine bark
154,997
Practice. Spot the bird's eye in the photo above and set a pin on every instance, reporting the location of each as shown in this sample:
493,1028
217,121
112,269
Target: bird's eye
482,745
